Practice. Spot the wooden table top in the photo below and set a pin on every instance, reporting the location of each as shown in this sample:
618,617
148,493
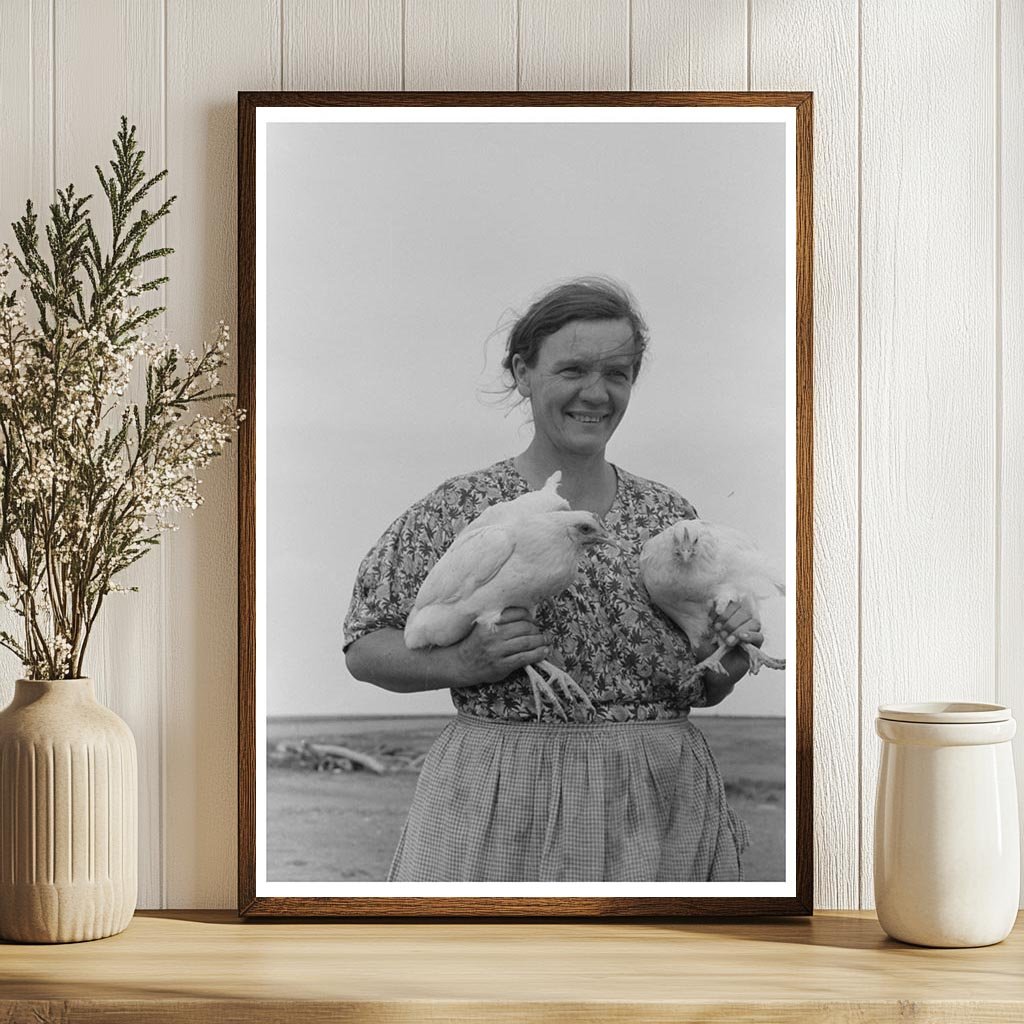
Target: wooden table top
208,966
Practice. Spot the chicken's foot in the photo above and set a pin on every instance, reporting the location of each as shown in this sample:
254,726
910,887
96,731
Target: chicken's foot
544,689
757,658
541,691
713,661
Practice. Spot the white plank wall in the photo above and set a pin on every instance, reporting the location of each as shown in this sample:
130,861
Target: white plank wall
698,45
226,46
919,314
26,160
342,44
129,79
26,106
468,45
928,360
574,44
1009,188
814,46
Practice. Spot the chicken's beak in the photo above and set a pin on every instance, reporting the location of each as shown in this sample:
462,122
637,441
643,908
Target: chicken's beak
608,539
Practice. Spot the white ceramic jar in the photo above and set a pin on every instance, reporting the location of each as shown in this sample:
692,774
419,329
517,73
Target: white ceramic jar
947,846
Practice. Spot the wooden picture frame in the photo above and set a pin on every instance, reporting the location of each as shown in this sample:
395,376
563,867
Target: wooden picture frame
257,897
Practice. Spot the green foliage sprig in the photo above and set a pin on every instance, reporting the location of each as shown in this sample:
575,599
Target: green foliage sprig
89,478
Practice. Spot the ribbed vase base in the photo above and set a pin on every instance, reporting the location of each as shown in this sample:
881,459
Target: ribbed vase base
68,815
63,913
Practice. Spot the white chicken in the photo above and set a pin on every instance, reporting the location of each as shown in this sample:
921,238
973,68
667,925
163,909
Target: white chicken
547,499
515,554
694,568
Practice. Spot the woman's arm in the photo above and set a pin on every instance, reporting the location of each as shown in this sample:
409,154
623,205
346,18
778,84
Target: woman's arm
718,686
383,659
486,655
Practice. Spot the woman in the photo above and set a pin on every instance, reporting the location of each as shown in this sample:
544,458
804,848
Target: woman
630,792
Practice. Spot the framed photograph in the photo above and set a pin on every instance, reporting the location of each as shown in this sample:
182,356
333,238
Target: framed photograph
525,504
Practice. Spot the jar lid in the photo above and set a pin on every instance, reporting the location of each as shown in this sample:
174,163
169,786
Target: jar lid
945,712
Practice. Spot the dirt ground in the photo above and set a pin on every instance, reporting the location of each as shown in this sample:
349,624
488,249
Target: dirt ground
325,826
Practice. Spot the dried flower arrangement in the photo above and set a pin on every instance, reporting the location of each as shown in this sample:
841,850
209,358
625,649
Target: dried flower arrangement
88,477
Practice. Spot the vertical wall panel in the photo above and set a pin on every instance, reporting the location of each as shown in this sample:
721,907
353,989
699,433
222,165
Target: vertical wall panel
90,96
213,51
938,614
469,45
1011,315
928,518
342,44
26,106
573,44
26,172
689,44
814,46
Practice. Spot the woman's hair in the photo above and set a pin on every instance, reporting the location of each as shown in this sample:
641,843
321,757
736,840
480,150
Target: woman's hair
584,298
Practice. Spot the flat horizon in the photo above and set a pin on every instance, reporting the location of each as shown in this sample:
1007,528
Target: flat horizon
317,718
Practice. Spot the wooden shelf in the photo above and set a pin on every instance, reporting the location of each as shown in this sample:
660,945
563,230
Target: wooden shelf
208,966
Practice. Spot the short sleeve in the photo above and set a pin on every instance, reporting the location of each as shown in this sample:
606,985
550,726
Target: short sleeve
683,509
391,574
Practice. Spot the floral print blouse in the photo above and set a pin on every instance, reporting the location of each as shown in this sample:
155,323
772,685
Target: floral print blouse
631,660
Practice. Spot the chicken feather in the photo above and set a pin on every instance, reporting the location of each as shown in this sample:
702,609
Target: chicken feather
526,550
694,568
545,499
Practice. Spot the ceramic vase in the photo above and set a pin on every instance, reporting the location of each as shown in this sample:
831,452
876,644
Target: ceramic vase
947,846
68,815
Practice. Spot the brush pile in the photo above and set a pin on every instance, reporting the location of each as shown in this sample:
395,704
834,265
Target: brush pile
333,757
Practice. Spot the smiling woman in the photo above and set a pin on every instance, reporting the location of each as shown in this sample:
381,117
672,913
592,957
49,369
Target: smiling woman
621,786
578,386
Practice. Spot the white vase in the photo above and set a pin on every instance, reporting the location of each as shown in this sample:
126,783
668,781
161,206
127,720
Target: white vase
68,815
947,847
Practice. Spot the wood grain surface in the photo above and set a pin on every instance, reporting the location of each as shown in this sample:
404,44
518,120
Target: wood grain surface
208,966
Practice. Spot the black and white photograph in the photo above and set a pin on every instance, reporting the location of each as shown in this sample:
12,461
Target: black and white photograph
525,502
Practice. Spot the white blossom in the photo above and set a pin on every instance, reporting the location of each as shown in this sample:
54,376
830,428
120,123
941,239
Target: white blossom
80,505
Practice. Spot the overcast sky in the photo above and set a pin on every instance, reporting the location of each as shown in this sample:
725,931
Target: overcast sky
398,254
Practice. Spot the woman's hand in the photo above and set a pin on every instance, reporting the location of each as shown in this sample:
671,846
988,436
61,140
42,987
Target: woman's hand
736,625
489,655
733,626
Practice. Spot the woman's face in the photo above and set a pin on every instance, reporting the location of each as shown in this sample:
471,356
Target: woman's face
580,385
